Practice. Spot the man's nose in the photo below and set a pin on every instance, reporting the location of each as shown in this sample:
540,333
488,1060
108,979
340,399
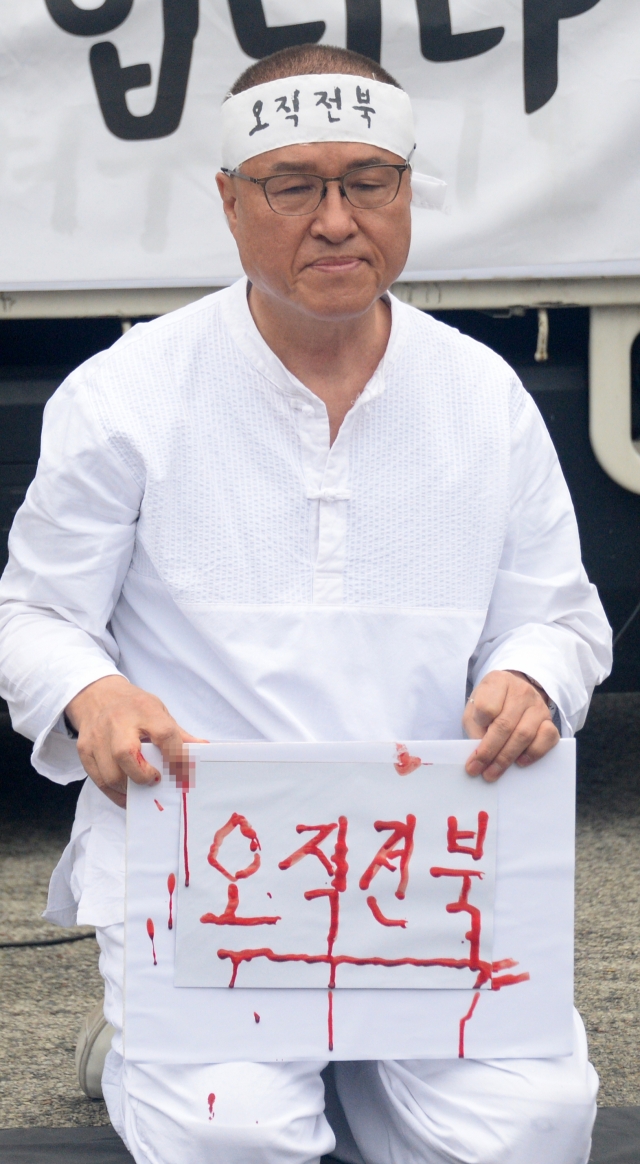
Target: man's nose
334,216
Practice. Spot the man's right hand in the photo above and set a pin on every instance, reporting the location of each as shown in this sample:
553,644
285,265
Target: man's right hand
112,718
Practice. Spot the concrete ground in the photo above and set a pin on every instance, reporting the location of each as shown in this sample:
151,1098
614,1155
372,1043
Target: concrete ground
45,991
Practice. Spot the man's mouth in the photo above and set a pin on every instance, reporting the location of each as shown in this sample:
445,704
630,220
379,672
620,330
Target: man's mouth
337,265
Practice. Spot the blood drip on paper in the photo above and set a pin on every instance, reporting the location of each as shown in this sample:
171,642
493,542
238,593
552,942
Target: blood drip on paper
171,885
211,1099
463,1023
330,1019
186,839
152,933
256,1016
160,807
405,764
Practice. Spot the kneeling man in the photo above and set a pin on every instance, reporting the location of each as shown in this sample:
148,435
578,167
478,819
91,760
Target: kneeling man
301,510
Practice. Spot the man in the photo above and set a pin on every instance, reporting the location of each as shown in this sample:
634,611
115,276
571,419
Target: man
298,509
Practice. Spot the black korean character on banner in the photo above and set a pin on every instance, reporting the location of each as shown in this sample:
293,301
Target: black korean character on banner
113,82
439,43
257,40
327,101
364,27
362,95
541,36
257,110
291,110
89,21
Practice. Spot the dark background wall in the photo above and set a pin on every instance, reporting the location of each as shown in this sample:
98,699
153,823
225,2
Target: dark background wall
36,355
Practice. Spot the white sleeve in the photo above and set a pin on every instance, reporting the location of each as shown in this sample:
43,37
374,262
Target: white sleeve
545,618
69,551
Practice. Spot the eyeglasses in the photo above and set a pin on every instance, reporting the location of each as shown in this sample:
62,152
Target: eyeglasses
367,188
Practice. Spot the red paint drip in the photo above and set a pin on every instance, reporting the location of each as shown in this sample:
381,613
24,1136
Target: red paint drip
463,1023
256,1016
171,885
211,1099
379,916
159,806
151,932
330,1019
406,764
229,918
186,839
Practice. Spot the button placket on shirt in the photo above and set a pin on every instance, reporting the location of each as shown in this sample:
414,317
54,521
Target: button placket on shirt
326,471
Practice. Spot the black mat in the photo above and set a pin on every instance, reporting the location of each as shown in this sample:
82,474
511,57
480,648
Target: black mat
62,1146
616,1137
616,1141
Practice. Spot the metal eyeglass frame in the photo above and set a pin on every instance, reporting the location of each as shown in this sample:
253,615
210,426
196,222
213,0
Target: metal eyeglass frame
400,168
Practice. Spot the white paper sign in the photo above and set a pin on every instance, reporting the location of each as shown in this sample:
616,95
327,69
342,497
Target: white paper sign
109,124
525,1007
353,875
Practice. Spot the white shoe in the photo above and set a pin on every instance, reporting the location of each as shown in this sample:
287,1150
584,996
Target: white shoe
94,1043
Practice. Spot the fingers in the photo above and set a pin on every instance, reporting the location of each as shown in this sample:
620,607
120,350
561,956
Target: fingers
113,719
546,739
486,703
513,722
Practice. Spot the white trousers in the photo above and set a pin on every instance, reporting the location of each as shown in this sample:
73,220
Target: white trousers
458,1111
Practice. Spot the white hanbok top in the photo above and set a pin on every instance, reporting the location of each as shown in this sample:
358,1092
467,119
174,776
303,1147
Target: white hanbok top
190,526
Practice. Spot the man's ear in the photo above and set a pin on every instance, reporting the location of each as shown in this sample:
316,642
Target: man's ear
226,188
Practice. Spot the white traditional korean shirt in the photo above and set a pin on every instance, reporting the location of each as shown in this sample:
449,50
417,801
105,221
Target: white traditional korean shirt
190,526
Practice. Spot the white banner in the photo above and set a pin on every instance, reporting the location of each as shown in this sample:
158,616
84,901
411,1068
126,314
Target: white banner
109,130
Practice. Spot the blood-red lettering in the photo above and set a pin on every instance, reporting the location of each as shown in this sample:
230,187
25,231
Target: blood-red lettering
462,906
230,915
401,833
455,835
236,820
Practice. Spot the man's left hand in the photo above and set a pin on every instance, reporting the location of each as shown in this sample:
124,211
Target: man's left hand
512,719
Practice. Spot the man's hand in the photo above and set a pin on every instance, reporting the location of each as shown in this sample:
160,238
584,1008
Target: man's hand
512,719
112,718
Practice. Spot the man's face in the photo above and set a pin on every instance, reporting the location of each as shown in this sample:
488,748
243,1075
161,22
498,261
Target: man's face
334,263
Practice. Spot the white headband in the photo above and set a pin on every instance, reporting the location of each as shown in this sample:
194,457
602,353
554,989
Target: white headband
324,107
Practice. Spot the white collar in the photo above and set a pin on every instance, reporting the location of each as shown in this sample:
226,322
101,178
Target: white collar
240,322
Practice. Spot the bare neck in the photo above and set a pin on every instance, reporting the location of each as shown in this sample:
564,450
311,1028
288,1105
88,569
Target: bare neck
334,359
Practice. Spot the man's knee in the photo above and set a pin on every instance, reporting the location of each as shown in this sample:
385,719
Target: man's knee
238,1112
500,1112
